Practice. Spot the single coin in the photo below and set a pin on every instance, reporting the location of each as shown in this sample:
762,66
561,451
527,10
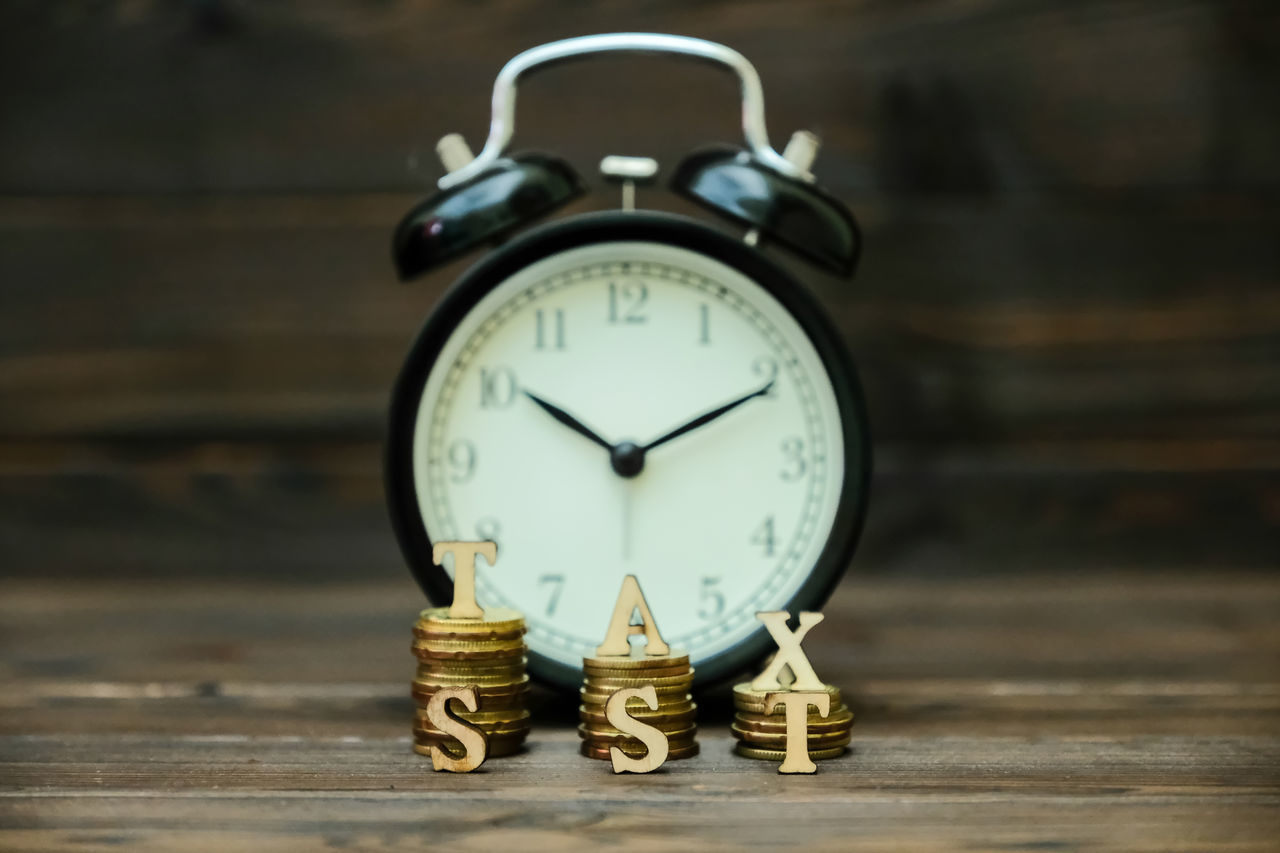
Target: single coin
449,669
602,752
638,660
600,734
467,652
478,631
493,731
494,749
598,682
494,619
505,715
606,691
747,699
634,672
657,718
761,723
462,678
779,754
780,742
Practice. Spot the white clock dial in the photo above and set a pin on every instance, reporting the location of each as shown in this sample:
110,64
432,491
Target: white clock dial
633,339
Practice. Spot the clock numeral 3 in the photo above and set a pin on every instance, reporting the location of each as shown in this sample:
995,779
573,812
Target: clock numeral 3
497,387
627,301
550,334
462,459
556,583
793,450
710,598
764,536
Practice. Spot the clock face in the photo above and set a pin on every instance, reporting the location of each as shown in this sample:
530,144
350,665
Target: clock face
629,341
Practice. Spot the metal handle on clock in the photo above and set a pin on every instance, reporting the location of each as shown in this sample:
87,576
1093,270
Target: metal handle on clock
502,123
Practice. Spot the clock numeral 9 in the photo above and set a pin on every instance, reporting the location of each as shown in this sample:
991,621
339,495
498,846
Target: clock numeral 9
462,459
497,387
766,369
710,598
556,582
704,324
549,338
764,536
793,450
627,301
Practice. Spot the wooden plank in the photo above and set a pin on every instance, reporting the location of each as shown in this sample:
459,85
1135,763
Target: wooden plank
1144,794
920,97
279,316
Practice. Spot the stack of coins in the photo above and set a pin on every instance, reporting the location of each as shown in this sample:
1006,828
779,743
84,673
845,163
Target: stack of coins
487,654
764,736
671,676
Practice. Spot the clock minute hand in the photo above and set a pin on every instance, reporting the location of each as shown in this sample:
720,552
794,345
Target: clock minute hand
708,417
569,420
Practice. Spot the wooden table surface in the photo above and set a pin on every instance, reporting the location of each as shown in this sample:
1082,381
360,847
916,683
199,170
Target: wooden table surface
1103,711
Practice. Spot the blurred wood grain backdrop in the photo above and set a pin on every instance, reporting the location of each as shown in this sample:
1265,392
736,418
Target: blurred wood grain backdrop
1067,317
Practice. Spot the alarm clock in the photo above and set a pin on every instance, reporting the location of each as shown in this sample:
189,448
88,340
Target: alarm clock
631,392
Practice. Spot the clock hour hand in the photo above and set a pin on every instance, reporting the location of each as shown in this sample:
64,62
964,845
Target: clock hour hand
708,417
569,420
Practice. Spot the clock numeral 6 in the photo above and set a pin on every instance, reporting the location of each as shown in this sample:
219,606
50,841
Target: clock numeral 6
556,583
462,459
793,450
710,598
497,387
627,301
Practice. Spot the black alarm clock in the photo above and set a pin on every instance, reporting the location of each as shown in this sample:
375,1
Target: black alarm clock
631,392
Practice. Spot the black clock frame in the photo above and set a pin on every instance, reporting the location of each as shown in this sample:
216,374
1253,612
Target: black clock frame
587,229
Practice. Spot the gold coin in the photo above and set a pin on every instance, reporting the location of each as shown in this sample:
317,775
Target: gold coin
681,713
511,672
611,734
779,754
606,691
492,730
434,633
602,752
494,619
597,682
495,749
503,715
633,672
821,741
443,648
637,660
463,678
427,653
840,720
483,691
752,701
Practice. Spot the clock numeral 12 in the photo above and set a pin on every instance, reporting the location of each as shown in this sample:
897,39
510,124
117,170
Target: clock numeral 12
556,332
626,303
497,387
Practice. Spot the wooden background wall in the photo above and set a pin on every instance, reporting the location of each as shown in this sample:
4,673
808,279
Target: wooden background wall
1067,316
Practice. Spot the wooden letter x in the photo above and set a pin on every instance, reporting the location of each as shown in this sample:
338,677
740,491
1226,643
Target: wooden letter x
789,653
464,574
